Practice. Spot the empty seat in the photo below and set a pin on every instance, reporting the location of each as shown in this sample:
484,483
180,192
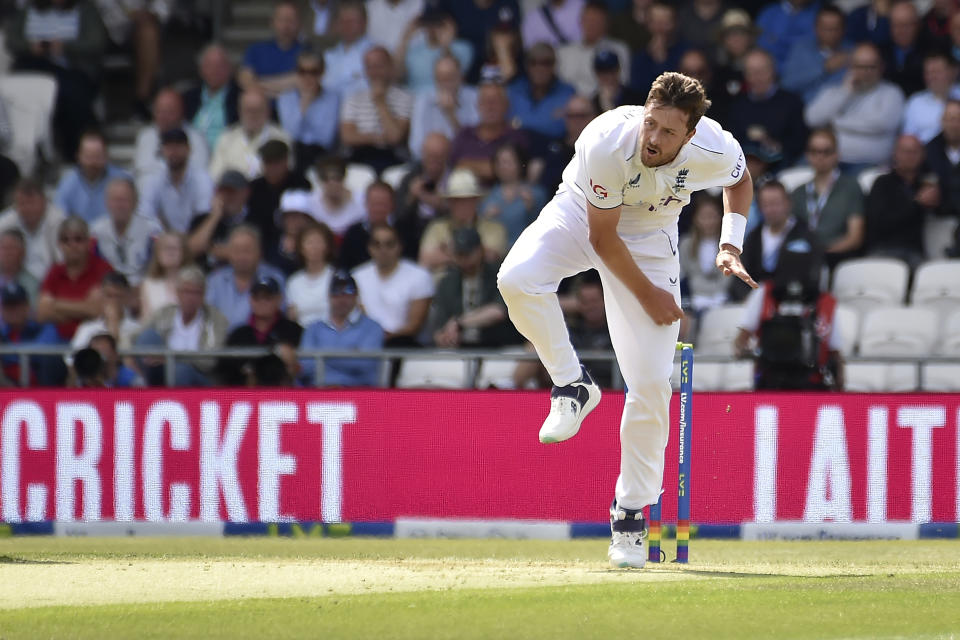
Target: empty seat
848,323
394,175
738,376
358,178
707,376
865,283
29,99
794,177
949,344
496,373
433,373
718,329
879,377
868,176
899,331
941,376
938,234
937,284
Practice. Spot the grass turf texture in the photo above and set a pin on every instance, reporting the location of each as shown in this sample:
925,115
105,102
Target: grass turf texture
377,588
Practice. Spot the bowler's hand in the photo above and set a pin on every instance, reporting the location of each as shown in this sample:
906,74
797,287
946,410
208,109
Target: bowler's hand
661,306
729,264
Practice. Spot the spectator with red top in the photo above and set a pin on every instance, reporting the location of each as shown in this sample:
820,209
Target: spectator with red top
71,291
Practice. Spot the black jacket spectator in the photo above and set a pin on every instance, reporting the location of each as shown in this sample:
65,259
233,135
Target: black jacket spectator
191,102
781,117
894,220
753,255
948,175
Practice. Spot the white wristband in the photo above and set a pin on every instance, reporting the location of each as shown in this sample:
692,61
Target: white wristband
732,229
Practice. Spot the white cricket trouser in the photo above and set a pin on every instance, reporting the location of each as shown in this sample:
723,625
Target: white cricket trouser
556,246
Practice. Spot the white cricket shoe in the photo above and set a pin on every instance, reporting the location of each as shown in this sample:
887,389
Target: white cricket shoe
569,405
628,541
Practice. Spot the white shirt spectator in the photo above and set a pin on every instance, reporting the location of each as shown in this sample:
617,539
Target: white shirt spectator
575,64
185,337
387,300
130,252
386,20
921,116
429,117
339,220
147,159
566,17
310,295
237,151
175,205
42,250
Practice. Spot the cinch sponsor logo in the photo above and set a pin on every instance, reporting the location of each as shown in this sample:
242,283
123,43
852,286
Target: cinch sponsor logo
737,170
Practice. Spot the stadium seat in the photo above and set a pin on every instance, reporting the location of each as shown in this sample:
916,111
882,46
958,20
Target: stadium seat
29,99
867,177
941,377
899,331
949,344
865,283
936,285
848,323
879,377
394,175
496,373
737,376
718,329
795,176
358,178
938,235
433,373
707,376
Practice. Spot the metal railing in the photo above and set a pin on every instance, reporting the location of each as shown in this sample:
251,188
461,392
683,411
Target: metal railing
473,357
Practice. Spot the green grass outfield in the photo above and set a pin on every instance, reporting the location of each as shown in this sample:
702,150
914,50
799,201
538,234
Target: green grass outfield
384,588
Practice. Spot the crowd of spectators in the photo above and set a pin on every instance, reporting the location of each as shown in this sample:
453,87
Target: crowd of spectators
238,224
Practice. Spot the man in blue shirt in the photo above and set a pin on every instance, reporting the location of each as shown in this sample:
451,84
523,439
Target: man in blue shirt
814,64
537,101
271,65
18,328
783,23
347,328
81,190
228,288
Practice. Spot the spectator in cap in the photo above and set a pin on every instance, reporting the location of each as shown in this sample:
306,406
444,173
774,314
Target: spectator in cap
513,201
463,196
309,113
265,192
473,147
479,19
228,210
159,286
346,328
188,325
81,189
445,107
737,38
577,60
375,122
39,222
71,291
124,237
17,327
432,37
239,145
334,204
662,51
181,190
388,20
467,310
116,374
537,99
228,288
577,114
307,289
13,253
394,291
115,317
293,216
556,23
380,208
267,326
167,115
211,105
269,66
344,61
611,92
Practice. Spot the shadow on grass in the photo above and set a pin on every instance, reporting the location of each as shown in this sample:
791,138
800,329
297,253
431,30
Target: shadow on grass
730,574
13,560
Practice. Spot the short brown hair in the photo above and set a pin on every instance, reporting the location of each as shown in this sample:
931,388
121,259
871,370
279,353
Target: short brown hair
672,89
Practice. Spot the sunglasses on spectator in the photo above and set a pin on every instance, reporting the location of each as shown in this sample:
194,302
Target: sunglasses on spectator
314,71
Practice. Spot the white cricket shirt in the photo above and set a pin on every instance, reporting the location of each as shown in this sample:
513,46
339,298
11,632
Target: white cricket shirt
606,171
